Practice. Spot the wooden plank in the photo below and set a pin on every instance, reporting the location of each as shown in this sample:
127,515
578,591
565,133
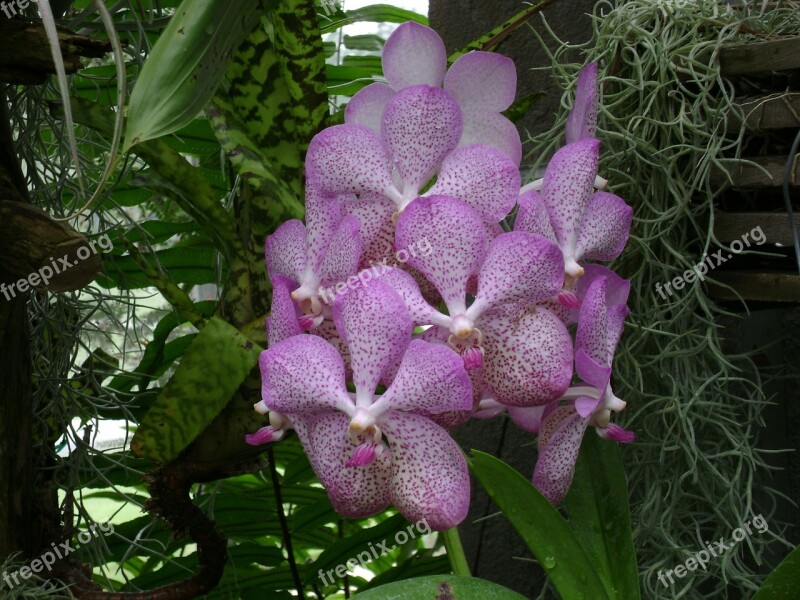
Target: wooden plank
729,226
760,57
758,172
775,111
760,287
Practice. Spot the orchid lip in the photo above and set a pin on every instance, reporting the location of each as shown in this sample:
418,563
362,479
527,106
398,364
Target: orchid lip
365,454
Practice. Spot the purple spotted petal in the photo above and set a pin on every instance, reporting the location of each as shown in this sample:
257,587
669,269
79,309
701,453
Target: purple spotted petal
302,375
413,55
582,119
401,282
616,323
493,129
421,125
429,474
605,228
282,322
343,253
586,405
519,266
617,288
568,184
484,80
355,492
481,176
328,332
527,359
455,233
366,107
591,371
558,452
375,324
530,418
324,214
285,250
349,158
592,332
532,216
377,228
431,380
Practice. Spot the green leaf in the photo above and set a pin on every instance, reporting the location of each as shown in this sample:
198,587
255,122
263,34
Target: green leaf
193,266
441,586
213,367
599,516
376,13
186,66
784,582
352,545
544,531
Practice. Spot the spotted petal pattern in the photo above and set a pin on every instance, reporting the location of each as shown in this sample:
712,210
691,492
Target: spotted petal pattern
431,380
519,266
285,250
282,322
559,444
481,176
421,125
532,216
429,474
604,229
527,359
349,158
343,253
375,324
303,374
355,492
455,232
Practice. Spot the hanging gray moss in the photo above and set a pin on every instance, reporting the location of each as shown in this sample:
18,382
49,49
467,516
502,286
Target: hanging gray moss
697,411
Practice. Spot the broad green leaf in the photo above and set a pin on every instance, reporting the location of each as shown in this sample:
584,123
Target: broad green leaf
599,516
186,66
376,13
544,531
350,546
416,566
441,586
193,266
784,582
156,357
213,367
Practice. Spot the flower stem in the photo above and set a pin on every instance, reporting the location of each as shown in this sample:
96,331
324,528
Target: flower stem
455,552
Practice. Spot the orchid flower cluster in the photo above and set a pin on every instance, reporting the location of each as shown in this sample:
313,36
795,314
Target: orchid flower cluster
372,376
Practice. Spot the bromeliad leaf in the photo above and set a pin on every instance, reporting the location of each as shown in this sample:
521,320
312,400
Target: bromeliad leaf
186,66
214,366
